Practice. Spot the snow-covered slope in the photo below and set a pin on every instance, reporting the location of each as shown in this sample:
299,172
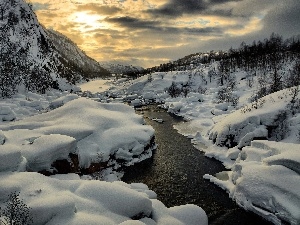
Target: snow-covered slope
75,57
22,29
26,55
258,119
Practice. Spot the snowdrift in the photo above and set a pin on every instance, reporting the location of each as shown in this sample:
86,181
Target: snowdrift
69,200
265,179
254,120
94,131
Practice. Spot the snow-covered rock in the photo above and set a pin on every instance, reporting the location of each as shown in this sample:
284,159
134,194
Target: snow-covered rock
265,179
242,126
6,113
75,201
81,126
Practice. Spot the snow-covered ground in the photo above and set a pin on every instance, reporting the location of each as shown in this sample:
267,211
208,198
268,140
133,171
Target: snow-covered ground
67,199
37,131
96,132
95,86
258,142
264,175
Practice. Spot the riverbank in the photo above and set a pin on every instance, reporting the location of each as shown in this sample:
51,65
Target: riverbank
176,172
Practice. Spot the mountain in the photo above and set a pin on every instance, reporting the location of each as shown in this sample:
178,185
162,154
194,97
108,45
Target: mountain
118,68
26,55
75,57
36,59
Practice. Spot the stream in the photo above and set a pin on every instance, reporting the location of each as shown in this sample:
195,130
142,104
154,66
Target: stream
175,173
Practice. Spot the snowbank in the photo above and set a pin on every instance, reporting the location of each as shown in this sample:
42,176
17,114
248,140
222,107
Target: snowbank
75,201
26,104
265,179
62,100
93,130
252,121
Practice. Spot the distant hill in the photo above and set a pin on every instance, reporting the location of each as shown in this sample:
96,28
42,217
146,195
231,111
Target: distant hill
243,56
118,68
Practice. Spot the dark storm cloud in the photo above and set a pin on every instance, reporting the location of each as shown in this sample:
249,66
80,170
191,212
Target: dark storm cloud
176,8
130,22
222,1
284,20
99,9
156,26
203,31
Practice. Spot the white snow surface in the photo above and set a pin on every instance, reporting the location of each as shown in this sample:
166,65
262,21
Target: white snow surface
94,86
81,126
264,175
47,128
74,201
265,179
244,126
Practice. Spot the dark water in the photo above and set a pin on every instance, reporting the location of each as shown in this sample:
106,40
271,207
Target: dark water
176,172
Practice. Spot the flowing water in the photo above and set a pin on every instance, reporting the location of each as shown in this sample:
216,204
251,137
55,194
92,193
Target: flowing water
175,173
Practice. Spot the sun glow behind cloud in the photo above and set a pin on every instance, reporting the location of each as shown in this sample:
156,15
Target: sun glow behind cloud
149,32
88,22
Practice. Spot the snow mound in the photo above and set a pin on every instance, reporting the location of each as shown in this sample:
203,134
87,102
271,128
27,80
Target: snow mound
53,201
265,179
93,130
42,151
242,126
6,113
62,100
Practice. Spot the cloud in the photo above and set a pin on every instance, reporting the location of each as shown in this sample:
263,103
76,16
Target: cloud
130,22
150,32
177,8
99,9
135,24
283,19
40,6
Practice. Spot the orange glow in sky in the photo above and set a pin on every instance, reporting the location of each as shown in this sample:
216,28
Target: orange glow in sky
150,32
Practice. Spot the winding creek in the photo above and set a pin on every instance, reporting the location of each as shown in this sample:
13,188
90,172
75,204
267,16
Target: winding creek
175,173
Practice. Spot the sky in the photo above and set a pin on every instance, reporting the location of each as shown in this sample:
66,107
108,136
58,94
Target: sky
150,32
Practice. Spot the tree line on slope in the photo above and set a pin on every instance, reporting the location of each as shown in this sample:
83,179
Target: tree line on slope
260,54
266,60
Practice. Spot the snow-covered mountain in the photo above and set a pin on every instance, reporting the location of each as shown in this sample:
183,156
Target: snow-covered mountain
26,55
34,58
75,57
118,68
